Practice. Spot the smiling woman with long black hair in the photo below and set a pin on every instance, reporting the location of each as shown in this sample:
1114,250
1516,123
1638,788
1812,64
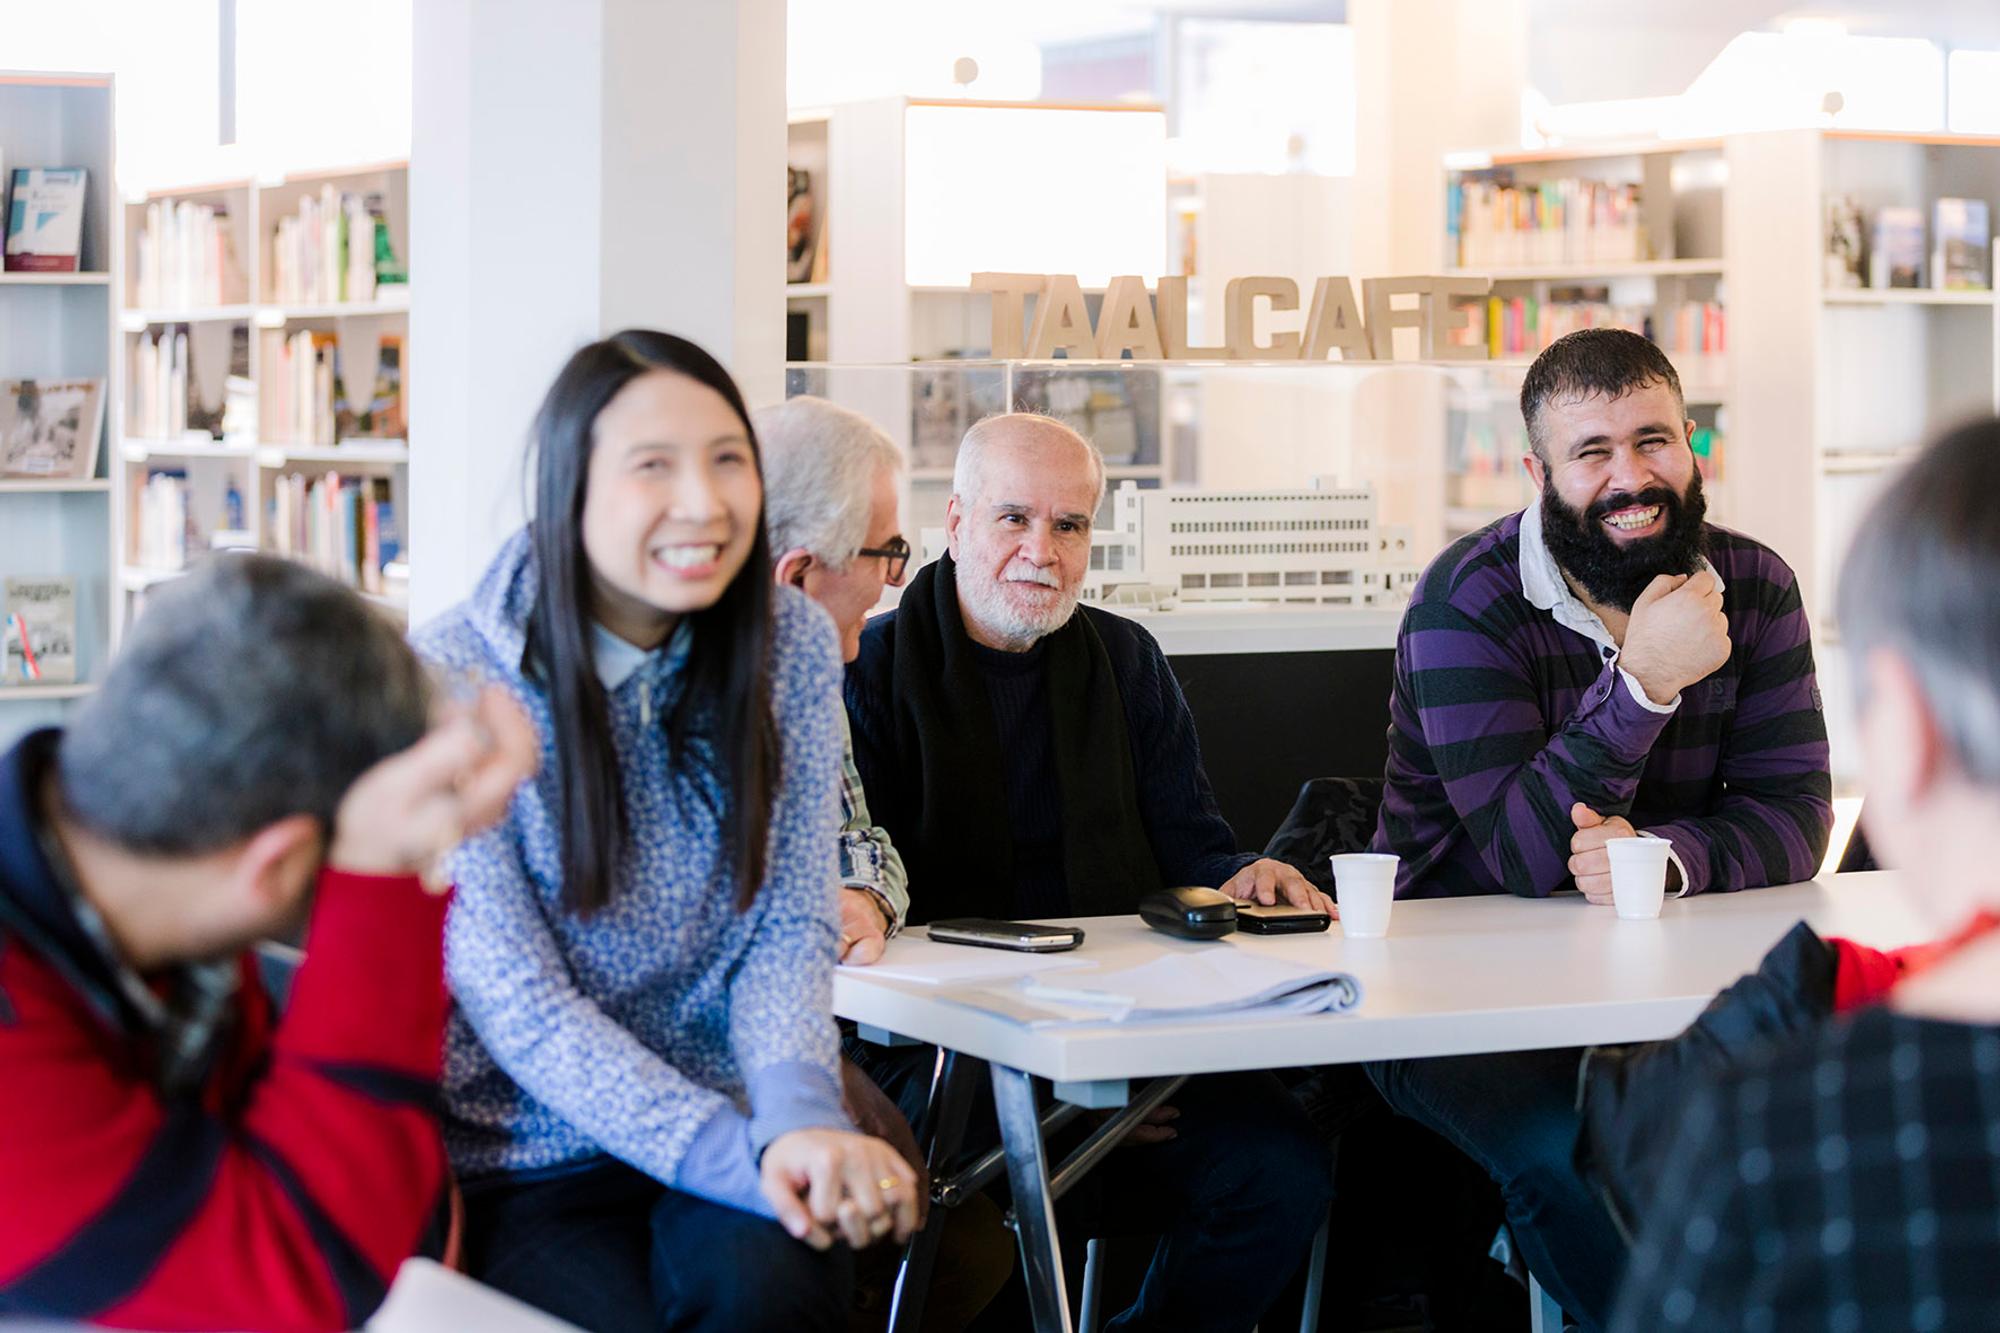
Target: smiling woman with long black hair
641,1089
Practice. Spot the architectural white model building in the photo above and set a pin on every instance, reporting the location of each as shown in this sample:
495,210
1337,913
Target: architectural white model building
1317,547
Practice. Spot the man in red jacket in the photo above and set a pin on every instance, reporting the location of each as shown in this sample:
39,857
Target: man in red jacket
170,1154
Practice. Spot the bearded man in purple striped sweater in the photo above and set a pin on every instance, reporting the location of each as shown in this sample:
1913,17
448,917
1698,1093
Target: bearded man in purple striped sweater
1601,664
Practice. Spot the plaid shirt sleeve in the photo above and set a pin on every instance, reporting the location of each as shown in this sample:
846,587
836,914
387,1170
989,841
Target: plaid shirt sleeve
868,860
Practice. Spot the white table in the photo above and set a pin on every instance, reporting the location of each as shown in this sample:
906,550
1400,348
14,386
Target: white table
1455,977
426,1297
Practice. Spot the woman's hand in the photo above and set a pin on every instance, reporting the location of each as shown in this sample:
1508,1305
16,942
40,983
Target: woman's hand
828,1185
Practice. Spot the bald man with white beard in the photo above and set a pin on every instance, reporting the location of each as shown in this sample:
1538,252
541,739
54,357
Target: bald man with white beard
1032,758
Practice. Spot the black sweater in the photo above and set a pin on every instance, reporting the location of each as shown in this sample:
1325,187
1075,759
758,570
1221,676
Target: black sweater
1191,842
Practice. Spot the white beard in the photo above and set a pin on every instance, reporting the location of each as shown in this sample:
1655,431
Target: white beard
1004,618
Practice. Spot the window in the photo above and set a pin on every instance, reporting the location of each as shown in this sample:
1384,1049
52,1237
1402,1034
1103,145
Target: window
1298,578
1226,581
1337,577
1194,580
1265,579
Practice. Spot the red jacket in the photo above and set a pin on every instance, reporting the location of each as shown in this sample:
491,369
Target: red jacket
286,1193
1865,976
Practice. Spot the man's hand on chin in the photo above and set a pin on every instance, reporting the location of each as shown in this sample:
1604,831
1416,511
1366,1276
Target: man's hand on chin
1270,882
1676,636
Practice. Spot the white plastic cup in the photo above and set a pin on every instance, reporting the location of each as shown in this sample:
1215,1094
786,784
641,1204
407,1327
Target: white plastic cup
1638,876
1364,884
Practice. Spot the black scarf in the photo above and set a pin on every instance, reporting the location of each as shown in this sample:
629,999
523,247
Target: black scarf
957,845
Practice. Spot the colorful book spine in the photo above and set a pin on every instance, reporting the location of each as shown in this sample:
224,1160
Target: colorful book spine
1492,222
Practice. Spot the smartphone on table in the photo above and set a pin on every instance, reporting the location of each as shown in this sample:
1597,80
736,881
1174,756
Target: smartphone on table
1279,919
1022,936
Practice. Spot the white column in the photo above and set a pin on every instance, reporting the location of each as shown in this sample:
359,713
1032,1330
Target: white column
577,167
1431,76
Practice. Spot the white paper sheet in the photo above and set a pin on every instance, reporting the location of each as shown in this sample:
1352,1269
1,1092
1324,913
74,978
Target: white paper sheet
1188,985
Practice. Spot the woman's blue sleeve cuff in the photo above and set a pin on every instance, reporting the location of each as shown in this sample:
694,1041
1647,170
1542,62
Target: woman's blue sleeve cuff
721,1166
793,1095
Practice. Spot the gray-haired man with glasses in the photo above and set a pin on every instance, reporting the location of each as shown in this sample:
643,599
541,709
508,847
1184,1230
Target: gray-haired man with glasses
830,504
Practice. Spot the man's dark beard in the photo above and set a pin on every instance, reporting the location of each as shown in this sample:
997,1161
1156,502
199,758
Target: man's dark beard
1614,574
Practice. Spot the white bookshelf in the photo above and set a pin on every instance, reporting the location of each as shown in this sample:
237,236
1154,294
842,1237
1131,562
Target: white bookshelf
37,486
44,694
1903,296
52,279
249,320
1838,384
62,326
137,321
1638,268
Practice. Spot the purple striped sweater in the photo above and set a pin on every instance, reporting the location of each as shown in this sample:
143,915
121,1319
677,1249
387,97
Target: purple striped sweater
1501,718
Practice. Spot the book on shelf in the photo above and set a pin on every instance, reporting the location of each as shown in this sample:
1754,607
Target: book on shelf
156,407
191,379
1522,326
1896,248
1497,223
163,527
45,220
389,270
186,256
300,379
1846,244
379,416
344,526
334,248
40,631
801,224
50,428
1960,245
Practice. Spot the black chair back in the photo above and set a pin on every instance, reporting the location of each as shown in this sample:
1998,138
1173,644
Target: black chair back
1330,816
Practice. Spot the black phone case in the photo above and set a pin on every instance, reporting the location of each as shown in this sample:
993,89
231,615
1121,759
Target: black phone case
1309,924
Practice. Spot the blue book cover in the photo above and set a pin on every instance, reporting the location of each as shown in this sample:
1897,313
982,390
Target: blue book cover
45,220
1896,258
1959,252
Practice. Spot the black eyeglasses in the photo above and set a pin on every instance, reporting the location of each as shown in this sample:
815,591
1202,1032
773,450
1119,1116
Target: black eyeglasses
897,553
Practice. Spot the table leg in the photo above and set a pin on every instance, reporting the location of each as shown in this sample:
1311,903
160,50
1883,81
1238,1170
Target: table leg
1034,1208
944,1132
1543,1312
